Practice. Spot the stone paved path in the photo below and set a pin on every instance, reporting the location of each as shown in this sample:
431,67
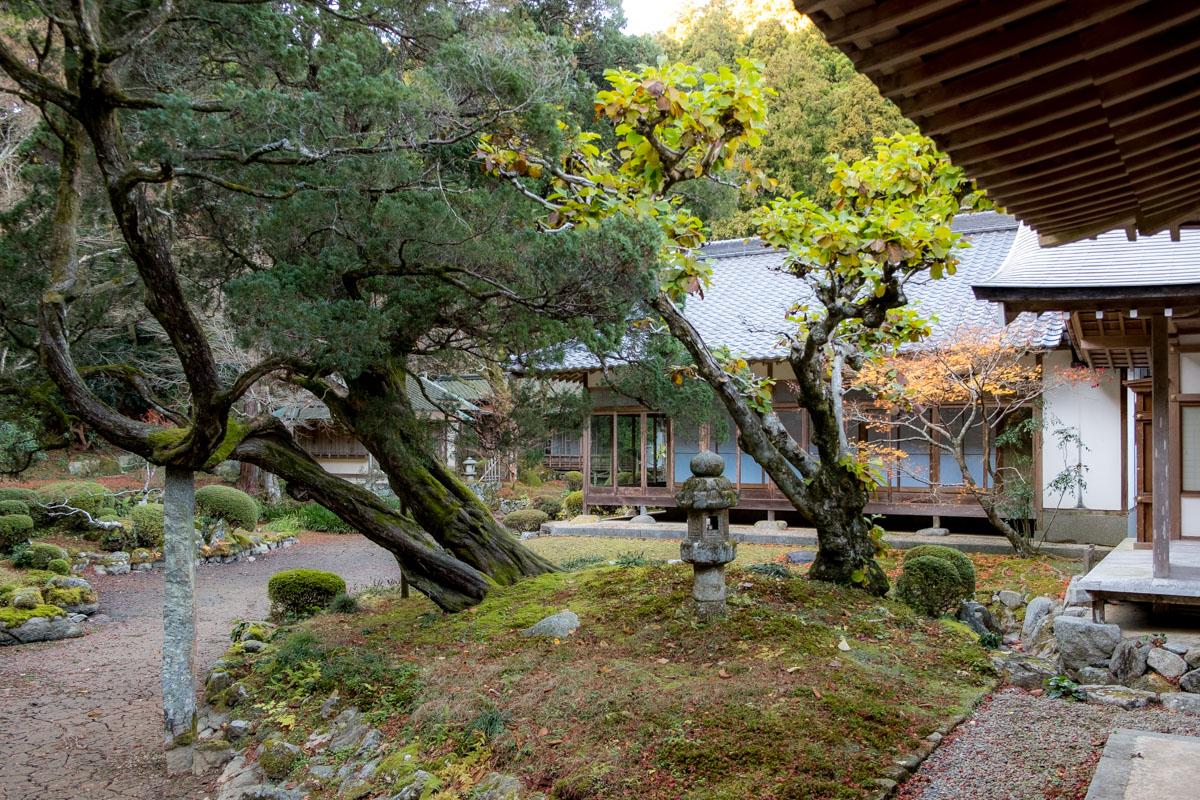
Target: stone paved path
80,719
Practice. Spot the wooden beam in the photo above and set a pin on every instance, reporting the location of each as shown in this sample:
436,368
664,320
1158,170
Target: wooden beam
1114,342
1161,445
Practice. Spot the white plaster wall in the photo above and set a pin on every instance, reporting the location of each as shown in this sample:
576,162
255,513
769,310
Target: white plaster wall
1095,412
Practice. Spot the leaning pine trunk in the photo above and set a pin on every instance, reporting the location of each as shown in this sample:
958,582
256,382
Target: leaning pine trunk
426,565
378,412
179,619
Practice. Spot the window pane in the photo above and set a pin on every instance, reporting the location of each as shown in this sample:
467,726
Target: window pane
1190,433
601,456
726,446
656,450
793,423
629,443
914,468
686,445
948,471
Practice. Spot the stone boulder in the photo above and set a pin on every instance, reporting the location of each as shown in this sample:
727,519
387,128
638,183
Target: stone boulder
1010,599
771,524
498,787
27,598
1128,661
1077,596
555,626
40,629
1181,701
1096,676
1166,663
1119,696
1024,671
933,532
1039,608
1190,682
978,618
1082,643
802,556
1192,657
644,519
1152,682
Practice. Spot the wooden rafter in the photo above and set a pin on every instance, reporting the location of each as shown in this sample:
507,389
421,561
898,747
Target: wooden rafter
1079,116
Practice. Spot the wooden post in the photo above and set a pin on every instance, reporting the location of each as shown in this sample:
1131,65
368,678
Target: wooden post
1160,434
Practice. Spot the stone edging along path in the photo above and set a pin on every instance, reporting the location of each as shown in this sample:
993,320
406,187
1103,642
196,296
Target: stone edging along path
49,627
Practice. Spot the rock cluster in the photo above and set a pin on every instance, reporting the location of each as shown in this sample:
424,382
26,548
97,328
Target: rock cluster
1110,669
56,610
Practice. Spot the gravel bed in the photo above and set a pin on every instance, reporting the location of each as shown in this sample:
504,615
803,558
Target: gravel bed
1021,746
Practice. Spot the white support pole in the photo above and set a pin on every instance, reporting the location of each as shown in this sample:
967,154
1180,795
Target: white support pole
1160,448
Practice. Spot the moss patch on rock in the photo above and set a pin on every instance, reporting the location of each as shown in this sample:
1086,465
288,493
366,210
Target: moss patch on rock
12,617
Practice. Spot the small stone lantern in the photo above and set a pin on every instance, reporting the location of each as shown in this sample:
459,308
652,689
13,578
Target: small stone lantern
707,497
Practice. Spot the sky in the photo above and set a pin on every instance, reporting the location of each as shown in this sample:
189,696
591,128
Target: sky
650,16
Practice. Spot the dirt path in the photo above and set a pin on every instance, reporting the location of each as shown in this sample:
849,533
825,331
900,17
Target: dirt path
81,718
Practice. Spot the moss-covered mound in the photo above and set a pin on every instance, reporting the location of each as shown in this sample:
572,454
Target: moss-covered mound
804,691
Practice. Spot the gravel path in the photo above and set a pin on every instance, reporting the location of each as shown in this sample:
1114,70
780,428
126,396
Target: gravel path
81,718
1018,746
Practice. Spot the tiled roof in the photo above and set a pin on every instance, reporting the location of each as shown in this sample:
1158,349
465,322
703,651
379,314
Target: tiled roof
1109,260
746,305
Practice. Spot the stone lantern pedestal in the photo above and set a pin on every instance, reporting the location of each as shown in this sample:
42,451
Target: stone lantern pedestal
707,497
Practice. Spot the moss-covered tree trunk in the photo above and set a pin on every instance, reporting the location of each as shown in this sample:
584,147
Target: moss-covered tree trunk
378,411
427,566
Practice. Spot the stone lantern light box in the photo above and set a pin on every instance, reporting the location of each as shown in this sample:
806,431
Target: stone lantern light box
707,497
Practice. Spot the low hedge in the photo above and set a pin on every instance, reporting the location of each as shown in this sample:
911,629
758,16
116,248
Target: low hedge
84,495
27,496
147,525
14,530
298,592
229,504
959,560
574,480
38,555
930,585
525,520
550,506
13,507
316,517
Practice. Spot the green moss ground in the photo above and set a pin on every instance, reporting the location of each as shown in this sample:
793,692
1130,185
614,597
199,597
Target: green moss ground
642,701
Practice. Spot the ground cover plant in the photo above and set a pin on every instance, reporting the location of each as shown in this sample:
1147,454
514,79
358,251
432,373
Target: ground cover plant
641,701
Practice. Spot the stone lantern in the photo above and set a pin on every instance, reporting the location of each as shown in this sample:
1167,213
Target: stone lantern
707,497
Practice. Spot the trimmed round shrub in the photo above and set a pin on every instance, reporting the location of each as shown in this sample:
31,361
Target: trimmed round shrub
962,564
14,530
59,566
302,591
550,506
525,520
930,585
316,517
227,503
38,555
574,480
573,503
147,524
13,507
84,495
108,515
27,496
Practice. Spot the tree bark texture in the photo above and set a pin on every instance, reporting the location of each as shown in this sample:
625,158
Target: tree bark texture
429,567
378,411
179,614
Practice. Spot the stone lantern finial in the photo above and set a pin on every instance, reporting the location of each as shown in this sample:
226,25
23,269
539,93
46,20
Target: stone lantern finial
707,497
